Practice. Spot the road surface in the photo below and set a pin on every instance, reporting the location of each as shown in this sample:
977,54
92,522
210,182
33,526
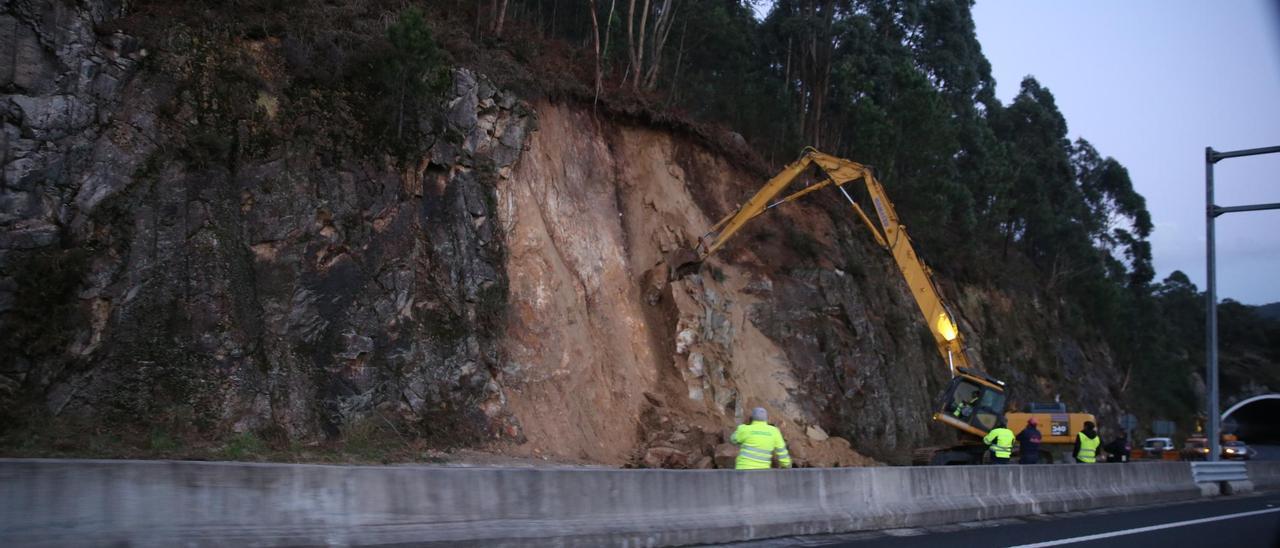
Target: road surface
1238,522
1266,452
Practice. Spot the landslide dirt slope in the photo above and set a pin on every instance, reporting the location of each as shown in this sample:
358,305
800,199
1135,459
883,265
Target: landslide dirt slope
610,360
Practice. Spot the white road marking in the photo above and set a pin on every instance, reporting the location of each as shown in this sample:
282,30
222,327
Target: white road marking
1124,532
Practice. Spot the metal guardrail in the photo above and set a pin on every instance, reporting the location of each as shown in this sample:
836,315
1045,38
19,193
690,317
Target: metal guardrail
1215,471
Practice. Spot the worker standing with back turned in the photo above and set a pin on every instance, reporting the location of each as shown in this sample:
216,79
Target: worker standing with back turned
758,442
1000,440
1029,443
1087,441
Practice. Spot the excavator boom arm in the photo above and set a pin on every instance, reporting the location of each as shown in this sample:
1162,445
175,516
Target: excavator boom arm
890,234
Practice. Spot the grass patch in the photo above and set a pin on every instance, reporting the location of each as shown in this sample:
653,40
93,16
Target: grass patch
804,245
244,446
163,442
717,274
370,440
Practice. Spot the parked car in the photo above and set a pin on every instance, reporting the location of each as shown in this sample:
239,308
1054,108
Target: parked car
1236,450
1154,448
1195,449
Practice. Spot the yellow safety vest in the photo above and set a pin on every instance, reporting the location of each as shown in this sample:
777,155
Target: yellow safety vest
1088,448
758,443
1001,442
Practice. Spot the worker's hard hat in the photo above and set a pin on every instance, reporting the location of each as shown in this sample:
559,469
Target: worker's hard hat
759,414
1032,421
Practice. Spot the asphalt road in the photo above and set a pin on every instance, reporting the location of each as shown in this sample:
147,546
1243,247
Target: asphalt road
1266,452
1238,522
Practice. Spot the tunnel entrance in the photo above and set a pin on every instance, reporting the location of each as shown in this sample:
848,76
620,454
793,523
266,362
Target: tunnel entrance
1257,419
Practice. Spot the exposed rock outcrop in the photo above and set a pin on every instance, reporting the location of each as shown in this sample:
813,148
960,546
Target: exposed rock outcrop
217,266
192,240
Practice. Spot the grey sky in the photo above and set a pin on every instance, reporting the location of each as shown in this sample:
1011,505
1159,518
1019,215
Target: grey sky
1152,83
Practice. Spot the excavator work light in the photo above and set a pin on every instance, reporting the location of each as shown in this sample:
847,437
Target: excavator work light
946,328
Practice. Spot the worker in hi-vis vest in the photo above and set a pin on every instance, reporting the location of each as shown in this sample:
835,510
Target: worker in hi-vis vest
1087,441
758,442
1000,440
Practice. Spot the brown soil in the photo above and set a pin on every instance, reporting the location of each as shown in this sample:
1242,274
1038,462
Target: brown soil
610,361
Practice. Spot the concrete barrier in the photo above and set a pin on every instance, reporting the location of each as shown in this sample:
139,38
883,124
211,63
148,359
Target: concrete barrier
157,503
1264,474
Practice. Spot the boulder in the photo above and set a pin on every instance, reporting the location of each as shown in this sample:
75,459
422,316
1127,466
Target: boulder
726,454
665,457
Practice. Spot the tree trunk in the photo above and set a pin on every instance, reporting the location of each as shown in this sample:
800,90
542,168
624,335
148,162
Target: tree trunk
814,69
639,68
400,114
675,76
661,32
828,53
500,19
786,71
608,26
821,102
595,36
631,40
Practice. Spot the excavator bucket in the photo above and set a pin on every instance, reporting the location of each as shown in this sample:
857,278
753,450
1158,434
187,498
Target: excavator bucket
682,262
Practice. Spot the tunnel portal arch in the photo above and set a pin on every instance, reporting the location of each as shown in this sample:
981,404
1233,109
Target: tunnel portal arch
1248,401
1257,418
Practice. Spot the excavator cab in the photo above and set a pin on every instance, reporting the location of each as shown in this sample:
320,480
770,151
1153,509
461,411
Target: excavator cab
973,402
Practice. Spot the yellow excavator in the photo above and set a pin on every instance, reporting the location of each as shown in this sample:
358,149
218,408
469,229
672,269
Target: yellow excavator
973,401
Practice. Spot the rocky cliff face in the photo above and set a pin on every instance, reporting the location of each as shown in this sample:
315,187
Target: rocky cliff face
172,257
190,238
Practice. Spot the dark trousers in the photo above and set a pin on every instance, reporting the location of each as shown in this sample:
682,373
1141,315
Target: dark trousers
999,460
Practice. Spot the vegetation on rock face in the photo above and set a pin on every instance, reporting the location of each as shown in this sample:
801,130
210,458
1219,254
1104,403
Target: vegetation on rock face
995,194
410,77
291,255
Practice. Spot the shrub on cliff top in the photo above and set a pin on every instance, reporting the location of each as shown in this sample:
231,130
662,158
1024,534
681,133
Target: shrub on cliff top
409,78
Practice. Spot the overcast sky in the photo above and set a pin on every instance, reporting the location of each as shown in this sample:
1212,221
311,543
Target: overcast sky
1152,83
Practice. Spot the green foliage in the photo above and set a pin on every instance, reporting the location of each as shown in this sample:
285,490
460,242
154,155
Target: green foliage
409,78
371,439
996,193
162,441
243,446
802,244
903,86
716,273
416,60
